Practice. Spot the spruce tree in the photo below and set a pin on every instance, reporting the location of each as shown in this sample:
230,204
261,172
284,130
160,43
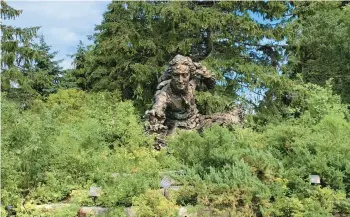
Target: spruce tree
15,42
319,47
136,40
317,50
81,66
17,55
45,72
28,68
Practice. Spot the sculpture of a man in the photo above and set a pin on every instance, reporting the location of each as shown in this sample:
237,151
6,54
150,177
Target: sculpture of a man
174,102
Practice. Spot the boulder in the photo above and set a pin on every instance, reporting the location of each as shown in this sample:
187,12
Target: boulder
91,211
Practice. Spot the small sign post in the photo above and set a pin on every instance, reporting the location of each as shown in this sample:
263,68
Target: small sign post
95,192
315,179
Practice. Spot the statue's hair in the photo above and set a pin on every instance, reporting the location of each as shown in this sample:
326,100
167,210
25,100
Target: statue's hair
183,60
179,59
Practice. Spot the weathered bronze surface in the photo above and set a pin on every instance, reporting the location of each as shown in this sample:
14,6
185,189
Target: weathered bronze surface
174,101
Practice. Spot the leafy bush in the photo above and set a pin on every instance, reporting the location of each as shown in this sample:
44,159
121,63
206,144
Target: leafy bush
152,203
72,141
56,150
251,173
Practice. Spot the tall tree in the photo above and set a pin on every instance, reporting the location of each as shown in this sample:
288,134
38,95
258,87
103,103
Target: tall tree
81,66
17,55
319,47
45,72
137,39
29,69
15,42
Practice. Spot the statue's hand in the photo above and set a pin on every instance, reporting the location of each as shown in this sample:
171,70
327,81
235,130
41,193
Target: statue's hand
202,71
155,114
203,75
155,120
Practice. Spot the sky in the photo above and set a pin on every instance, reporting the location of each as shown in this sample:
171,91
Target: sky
63,23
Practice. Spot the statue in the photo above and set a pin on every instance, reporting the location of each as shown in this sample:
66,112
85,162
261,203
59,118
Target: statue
174,101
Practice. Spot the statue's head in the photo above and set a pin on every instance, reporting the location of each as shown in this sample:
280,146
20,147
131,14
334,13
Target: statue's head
181,68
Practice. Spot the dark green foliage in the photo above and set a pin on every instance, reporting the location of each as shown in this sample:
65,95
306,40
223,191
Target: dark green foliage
15,42
319,45
56,144
45,72
16,54
82,60
28,69
137,39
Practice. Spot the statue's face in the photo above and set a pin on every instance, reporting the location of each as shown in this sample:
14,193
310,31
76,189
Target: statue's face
180,77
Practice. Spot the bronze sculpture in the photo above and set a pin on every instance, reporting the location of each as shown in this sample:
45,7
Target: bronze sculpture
174,101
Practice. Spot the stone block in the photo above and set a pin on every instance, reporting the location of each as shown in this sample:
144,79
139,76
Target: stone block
51,207
130,212
91,211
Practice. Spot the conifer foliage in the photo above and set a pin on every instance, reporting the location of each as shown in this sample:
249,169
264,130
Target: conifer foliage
319,45
28,68
137,39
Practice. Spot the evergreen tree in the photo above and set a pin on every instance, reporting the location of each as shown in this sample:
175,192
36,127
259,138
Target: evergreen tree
46,71
15,42
319,47
81,66
137,39
17,55
28,69
317,50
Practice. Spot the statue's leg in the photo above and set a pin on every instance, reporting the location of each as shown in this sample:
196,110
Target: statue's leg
171,124
221,119
160,138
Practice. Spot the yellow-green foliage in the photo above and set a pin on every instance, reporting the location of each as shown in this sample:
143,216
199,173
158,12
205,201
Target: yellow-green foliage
54,147
72,141
56,150
153,203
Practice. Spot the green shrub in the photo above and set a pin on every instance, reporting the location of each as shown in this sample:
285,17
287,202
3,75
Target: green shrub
266,172
152,203
58,149
72,141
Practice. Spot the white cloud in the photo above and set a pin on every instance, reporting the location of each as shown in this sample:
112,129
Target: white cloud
63,23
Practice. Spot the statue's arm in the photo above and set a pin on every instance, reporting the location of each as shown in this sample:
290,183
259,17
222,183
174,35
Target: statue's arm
160,104
205,77
156,116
